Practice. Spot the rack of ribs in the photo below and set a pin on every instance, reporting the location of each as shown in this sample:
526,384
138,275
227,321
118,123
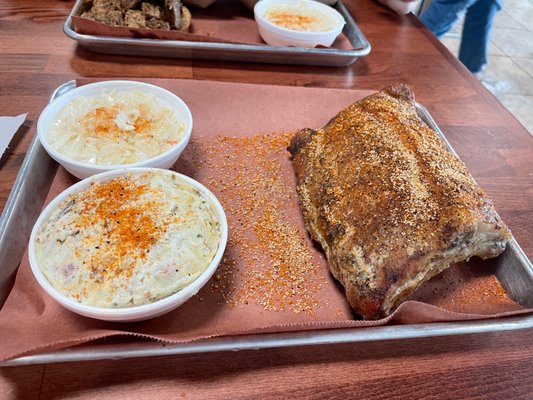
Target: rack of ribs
389,204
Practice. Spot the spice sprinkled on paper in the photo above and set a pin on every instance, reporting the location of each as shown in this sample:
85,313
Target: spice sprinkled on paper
269,259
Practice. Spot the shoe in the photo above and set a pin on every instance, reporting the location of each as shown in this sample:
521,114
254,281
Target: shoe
495,87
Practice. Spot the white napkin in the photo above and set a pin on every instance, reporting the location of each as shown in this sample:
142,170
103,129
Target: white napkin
8,127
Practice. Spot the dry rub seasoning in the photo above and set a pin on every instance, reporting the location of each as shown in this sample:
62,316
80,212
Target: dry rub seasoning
269,259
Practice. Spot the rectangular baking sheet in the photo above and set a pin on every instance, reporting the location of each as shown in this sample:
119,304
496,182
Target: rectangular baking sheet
512,268
227,51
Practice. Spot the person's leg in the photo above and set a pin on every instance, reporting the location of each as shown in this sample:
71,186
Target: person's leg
440,15
476,34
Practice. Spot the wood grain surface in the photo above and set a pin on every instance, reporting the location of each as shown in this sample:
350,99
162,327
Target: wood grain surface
36,57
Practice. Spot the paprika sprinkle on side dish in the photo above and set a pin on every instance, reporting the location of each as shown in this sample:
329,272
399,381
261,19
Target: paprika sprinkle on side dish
115,128
128,241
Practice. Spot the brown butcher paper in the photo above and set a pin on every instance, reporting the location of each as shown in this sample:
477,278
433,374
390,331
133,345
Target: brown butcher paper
226,21
273,278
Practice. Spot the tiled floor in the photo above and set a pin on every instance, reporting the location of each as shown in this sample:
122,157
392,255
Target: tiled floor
509,73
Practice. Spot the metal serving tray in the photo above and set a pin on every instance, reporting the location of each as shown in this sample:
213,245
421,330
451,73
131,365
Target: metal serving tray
512,268
227,51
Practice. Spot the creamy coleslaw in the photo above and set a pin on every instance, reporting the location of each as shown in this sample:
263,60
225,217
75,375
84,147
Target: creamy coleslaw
115,128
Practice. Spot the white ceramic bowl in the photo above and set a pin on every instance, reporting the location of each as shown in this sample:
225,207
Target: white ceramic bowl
275,35
135,313
83,170
251,3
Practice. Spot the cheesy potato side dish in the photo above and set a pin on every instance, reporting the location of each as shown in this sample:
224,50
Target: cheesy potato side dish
128,241
300,17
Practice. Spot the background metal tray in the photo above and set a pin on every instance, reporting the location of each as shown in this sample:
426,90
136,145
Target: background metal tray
226,51
512,268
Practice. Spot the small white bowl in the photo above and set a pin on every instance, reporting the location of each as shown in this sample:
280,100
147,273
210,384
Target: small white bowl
134,313
275,35
83,170
251,3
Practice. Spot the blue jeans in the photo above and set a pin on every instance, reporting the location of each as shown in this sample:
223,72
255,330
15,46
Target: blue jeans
442,14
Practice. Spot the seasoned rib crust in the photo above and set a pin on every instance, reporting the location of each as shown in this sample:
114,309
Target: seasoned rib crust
388,203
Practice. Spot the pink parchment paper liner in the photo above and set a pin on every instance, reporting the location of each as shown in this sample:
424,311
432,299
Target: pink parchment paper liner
31,322
225,21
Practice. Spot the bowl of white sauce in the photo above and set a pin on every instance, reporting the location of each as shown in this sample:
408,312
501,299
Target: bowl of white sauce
128,245
111,125
297,23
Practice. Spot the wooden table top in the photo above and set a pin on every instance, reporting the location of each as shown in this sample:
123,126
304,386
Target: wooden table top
36,57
